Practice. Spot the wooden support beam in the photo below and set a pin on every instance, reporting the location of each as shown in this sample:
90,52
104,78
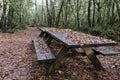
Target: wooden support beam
92,57
48,40
42,34
61,54
46,36
73,55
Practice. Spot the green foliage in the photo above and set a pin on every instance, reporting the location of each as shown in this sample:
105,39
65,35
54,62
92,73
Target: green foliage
11,30
18,14
110,32
107,19
16,28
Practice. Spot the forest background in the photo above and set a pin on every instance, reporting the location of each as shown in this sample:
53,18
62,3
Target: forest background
96,17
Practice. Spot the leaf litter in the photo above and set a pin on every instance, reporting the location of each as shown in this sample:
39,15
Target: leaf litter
18,60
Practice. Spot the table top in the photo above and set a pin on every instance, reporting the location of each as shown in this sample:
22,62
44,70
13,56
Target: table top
75,39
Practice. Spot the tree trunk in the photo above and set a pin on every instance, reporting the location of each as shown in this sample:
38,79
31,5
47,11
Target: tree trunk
53,11
1,12
118,7
42,14
108,12
93,21
99,12
78,17
112,19
6,16
1,8
66,12
89,13
58,17
49,19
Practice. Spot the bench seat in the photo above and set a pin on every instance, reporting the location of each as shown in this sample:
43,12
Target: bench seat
42,50
106,52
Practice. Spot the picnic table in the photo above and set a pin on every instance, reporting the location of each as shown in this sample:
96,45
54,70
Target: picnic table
68,43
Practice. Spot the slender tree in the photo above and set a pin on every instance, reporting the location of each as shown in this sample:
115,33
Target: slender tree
59,13
94,9
89,13
118,6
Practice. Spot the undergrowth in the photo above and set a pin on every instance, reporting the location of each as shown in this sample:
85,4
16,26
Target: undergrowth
109,32
16,28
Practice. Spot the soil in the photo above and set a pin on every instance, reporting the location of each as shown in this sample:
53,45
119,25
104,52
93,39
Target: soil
18,61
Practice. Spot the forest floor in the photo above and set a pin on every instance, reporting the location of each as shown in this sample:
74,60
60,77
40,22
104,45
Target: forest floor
18,61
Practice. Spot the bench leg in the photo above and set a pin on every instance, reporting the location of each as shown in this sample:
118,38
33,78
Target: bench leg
92,57
42,34
46,36
61,54
48,40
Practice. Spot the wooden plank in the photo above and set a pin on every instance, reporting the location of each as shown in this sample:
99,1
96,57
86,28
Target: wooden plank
64,40
92,45
50,56
39,55
42,29
100,44
43,56
57,38
106,52
61,38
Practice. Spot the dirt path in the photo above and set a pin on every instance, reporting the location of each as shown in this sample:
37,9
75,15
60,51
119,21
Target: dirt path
18,62
17,54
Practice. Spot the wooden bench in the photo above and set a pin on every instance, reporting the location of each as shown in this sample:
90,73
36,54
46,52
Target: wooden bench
42,51
106,52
